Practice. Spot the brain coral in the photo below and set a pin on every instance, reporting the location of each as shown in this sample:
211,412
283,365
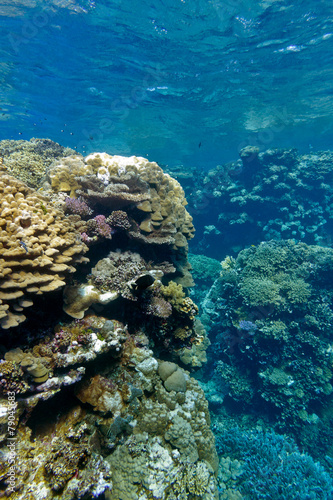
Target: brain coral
38,247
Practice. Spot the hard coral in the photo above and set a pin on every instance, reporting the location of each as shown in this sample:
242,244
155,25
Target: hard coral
270,318
152,198
38,246
124,272
77,206
295,189
62,174
118,219
11,378
38,154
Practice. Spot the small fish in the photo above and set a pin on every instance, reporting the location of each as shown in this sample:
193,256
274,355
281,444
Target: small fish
24,246
143,282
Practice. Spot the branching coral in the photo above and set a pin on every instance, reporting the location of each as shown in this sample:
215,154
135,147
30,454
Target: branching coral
37,153
270,463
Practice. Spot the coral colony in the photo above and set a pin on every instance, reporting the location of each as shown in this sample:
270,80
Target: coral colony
101,335
105,238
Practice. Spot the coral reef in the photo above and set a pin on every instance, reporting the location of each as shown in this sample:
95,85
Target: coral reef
154,201
204,269
88,408
37,153
272,335
125,282
41,366
274,194
171,452
122,273
130,436
265,465
39,247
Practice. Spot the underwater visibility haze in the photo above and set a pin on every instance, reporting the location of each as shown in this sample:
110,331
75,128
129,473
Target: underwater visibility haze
166,260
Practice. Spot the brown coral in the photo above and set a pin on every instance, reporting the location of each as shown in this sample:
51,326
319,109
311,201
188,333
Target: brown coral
38,154
38,248
153,199
119,219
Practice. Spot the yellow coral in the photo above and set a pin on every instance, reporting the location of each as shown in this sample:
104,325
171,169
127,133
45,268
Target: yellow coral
228,263
7,367
38,247
188,307
173,293
182,333
63,175
132,181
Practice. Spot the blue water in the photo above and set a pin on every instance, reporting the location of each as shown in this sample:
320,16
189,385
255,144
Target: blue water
189,83
183,83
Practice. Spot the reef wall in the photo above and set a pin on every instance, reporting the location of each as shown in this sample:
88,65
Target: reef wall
95,318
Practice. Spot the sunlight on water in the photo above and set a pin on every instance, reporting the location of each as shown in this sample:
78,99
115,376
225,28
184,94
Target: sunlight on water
115,77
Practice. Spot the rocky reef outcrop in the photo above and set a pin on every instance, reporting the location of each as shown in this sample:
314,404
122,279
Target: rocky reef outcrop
93,401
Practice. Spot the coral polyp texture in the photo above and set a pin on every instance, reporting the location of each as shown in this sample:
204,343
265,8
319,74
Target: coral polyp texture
37,153
271,328
154,200
98,413
39,247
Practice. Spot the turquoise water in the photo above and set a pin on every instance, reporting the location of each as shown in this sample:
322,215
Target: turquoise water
183,83
192,85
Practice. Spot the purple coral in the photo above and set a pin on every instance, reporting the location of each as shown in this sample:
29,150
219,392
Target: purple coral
78,206
102,228
87,239
248,326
